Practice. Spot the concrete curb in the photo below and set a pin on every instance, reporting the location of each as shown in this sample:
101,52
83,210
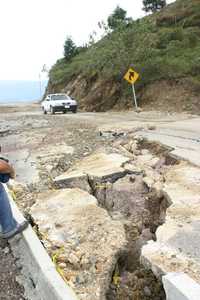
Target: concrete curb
40,279
179,286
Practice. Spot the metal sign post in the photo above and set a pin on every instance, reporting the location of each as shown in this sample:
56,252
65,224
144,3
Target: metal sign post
134,95
132,76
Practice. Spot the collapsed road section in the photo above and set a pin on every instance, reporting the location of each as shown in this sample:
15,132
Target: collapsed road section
104,209
108,208
176,248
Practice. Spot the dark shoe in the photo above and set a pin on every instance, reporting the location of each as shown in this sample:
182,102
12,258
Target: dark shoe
19,228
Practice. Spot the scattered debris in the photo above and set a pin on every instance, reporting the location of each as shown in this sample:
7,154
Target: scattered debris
151,127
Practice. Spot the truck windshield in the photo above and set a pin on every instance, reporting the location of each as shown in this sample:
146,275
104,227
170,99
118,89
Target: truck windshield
59,97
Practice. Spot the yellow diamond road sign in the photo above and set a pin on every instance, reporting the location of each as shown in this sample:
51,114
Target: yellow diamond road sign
131,76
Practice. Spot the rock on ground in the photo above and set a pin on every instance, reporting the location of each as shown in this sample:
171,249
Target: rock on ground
82,238
126,195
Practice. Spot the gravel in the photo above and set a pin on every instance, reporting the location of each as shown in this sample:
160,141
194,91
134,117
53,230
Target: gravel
9,287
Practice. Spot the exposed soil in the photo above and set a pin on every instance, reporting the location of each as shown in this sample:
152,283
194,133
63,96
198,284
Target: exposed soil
130,279
176,95
138,285
9,287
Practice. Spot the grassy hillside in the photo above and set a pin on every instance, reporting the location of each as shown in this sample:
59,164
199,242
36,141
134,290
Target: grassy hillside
164,48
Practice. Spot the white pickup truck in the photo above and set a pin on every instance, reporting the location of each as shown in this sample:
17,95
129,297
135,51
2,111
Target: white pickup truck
58,103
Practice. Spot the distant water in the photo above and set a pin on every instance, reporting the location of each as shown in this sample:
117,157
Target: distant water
16,91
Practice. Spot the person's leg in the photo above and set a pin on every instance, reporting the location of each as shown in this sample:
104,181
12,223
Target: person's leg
8,224
7,221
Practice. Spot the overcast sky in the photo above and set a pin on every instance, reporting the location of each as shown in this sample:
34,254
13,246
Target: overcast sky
33,32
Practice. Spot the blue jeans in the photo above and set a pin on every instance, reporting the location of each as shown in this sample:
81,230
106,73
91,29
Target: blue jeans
7,221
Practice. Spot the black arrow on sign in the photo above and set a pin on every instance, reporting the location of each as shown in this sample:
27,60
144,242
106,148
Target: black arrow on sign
131,75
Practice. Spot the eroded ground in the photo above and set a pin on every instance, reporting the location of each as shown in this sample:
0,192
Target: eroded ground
93,188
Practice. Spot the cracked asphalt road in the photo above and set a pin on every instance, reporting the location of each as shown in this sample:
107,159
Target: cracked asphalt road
25,132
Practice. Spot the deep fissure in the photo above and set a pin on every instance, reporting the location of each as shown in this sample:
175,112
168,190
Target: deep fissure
142,210
129,278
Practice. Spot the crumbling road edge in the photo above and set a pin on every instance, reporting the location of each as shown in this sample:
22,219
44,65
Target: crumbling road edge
40,279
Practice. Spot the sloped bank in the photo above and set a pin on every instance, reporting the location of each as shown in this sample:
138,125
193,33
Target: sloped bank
162,95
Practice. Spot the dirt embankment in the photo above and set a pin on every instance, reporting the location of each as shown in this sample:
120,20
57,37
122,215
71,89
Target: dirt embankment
175,95
99,95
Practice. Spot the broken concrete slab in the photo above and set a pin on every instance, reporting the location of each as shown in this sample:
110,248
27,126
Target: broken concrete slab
179,286
82,236
183,184
178,239
184,144
99,167
73,179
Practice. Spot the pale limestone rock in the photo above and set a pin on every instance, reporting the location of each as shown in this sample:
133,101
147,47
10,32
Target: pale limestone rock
89,240
139,110
149,181
145,152
158,187
147,160
125,152
131,146
16,187
151,127
132,168
62,265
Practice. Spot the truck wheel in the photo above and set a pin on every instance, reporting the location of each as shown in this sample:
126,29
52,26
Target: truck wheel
44,111
52,110
74,110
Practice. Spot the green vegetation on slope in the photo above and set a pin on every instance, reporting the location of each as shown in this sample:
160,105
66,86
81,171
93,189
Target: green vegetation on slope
165,45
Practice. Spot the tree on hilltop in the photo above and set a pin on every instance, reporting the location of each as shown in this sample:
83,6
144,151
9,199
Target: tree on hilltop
70,49
118,18
153,5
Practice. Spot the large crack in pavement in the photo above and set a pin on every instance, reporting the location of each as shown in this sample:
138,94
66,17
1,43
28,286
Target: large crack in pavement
135,210
96,237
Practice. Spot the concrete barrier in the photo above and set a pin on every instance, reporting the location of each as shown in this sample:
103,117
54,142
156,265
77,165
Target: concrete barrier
39,277
179,286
